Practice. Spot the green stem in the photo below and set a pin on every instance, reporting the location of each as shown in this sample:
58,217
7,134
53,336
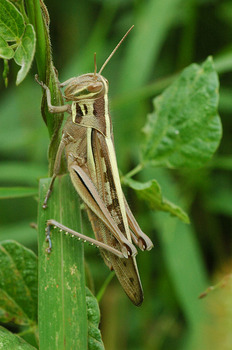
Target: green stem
62,313
46,74
36,19
23,12
104,286
134,171
27,331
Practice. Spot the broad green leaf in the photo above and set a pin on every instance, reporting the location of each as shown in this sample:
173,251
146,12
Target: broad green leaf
11,22
10,341
151,192
5,50
19,4
25,53
93,314
17,192
18,284
185,129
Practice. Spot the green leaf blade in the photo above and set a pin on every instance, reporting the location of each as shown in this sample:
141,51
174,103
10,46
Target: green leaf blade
151,192
62,299
185,129
11,21
10,341
17,192
18,284
93,314
25,53
6,52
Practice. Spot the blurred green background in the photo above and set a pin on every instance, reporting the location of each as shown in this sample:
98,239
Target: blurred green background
168,36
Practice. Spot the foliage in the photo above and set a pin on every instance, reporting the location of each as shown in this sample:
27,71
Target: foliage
19,304
172,170
15,29
185,129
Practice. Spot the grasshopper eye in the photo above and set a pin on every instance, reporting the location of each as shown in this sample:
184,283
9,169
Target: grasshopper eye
95,87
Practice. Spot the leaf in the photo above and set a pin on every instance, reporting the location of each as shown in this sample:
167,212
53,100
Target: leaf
61,273
21,172
185,129
25,53
93,314
151,192
10,341
19,4
18,284
17,192
11,22
6,51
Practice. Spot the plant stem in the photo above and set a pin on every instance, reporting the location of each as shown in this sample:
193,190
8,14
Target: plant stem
35,17
134,171
47,74
104,286
62,304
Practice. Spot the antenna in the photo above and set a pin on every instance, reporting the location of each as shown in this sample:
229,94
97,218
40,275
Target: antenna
95,66
115,49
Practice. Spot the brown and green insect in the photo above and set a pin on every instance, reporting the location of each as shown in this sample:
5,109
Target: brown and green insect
87,139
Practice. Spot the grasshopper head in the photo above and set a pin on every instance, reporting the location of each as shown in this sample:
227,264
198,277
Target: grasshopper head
91,85
86,86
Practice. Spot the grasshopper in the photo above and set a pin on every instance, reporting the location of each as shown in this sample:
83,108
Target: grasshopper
87,139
